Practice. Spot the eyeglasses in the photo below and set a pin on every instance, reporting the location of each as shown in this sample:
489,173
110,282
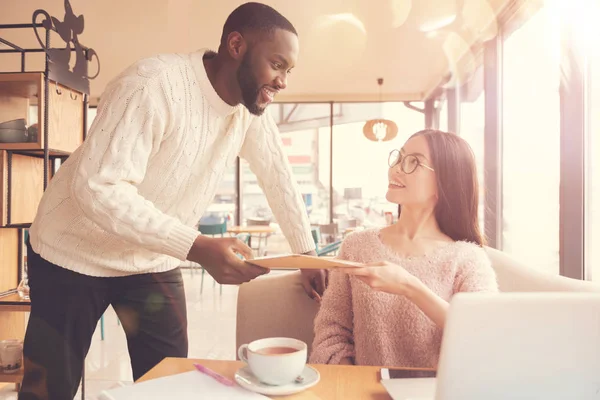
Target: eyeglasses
408,163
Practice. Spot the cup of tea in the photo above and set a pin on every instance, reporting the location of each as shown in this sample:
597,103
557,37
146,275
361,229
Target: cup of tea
275,361
11,355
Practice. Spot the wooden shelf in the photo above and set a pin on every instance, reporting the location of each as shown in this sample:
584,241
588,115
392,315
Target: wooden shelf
15,377
9,260
16,226
19,91
28,149
13,302
21,84
25,146
27,187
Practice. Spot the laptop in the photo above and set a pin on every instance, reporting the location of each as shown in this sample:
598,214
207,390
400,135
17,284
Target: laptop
514,346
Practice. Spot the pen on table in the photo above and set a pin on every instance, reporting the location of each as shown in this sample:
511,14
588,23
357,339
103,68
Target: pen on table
220,378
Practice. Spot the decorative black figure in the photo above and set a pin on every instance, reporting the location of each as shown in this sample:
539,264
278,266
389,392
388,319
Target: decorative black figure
69,29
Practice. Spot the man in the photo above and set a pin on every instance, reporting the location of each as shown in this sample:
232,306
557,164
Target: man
119,216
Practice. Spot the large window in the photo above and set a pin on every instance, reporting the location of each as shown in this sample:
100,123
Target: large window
443,115
592,211
531,141
593,169
305,134
223,206
91,115
360,166
472,127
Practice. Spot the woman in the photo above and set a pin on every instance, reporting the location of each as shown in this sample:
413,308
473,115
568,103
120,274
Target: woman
392,311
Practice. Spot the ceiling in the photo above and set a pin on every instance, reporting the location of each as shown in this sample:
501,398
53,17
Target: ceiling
345,44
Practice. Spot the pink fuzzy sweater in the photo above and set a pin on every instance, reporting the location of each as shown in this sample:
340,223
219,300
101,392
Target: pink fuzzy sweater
375,328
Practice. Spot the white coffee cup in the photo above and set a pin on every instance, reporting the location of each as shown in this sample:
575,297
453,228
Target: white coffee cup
11,355
275,361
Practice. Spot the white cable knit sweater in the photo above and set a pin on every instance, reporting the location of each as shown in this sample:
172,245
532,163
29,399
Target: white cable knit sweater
127,200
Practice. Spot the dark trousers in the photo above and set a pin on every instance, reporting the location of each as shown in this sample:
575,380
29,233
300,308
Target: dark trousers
66,307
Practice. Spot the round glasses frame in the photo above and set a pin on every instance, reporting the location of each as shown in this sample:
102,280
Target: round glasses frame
409,163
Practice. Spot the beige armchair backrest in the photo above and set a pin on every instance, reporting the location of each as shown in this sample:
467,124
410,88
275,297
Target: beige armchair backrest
277,305
514,276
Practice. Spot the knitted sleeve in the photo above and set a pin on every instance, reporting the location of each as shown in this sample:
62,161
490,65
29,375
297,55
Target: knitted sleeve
126,133
475,272
263,149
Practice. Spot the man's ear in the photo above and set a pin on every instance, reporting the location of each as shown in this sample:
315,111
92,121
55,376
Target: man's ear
236,45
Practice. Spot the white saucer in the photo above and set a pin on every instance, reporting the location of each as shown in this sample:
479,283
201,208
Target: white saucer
247,380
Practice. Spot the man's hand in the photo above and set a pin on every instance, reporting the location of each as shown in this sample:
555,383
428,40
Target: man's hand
315,281
220,259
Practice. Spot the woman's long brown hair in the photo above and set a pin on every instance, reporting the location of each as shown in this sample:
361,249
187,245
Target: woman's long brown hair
456,211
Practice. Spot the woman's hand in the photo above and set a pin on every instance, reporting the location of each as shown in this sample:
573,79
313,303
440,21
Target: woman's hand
385,277
392,278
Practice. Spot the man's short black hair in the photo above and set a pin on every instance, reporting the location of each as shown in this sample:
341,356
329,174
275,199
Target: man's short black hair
255,17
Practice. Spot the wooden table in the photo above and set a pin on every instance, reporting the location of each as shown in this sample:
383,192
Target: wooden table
252,230
262,231
342,382
352,229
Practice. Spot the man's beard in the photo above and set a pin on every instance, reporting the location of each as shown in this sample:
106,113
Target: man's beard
249,86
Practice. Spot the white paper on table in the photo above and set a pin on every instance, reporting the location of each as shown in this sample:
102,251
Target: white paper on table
188,385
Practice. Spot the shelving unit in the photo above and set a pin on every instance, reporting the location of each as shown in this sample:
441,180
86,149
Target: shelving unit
23,184
55,99
20,91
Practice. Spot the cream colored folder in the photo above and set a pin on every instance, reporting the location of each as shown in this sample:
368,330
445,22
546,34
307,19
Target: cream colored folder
299,261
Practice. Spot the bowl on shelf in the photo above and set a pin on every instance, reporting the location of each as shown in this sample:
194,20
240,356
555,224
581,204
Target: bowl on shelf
32,131
14,124
12,135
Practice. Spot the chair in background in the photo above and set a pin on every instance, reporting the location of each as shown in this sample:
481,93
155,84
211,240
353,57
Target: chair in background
258,222
329,232
329,249
213,229
260,236
245,238
346,226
